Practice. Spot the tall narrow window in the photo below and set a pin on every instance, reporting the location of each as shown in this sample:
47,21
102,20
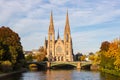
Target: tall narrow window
66,52
50,36
62,58
67,60
58,58
54,58
67,36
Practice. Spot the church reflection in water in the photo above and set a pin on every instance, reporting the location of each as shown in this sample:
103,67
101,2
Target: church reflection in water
62,75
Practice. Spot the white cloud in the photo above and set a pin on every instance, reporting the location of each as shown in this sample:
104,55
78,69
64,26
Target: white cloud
56,2
33,41
90,41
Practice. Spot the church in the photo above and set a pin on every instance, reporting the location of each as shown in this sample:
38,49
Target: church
59,50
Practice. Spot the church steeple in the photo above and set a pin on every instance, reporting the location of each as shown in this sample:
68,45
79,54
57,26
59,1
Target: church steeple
51,39
51,26
67,26
54,47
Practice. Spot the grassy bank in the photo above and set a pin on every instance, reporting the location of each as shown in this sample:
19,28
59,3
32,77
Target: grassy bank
113,72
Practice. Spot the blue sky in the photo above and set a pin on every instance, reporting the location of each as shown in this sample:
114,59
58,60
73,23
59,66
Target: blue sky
91,21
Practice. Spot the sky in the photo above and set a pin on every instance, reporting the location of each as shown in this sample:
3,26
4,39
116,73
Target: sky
91,21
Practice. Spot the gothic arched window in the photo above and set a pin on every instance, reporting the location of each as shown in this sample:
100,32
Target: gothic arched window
50,52
58,58
59,49
62,58
67,37
50,36
66,52
54,58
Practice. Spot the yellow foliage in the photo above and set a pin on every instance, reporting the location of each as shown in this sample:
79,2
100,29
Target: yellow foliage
114,52
91,57
40,57
6,63
95,58
82,58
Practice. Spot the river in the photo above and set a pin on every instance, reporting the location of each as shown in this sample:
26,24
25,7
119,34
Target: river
62,75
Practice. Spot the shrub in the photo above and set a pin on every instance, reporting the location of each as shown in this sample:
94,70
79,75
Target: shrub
6,66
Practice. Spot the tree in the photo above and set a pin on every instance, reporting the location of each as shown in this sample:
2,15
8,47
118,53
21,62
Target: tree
110,55
91,53
29,57
77,56
82,58
41,55
10,46
105,46
95,58
91,57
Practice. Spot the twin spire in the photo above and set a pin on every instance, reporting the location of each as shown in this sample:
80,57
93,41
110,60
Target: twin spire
51,19
67,26
51,26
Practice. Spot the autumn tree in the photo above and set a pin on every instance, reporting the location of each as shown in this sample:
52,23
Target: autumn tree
82,58
10,46
41,56
95,58
110,55
91,57
105,46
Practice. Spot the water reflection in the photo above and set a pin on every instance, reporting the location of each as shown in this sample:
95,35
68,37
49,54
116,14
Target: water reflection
58,75
62,75
105,76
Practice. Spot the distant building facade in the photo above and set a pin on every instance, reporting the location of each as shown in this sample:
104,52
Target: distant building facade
59,50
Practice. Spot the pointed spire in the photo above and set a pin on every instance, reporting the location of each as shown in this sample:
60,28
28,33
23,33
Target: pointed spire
67,19
58,35
51,19
67,26
51,26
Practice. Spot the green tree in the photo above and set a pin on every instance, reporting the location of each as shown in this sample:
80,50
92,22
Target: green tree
10,46
29,57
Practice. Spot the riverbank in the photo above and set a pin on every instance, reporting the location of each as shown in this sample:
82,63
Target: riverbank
12,73
113,72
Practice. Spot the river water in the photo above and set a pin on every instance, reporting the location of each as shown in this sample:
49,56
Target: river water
62,75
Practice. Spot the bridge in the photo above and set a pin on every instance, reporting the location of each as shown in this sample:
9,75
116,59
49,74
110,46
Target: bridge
77,64
53,64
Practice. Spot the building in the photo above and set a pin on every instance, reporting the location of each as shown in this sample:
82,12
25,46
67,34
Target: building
59,50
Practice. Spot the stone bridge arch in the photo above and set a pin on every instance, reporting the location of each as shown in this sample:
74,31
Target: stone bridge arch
40,65
74,64
46,65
